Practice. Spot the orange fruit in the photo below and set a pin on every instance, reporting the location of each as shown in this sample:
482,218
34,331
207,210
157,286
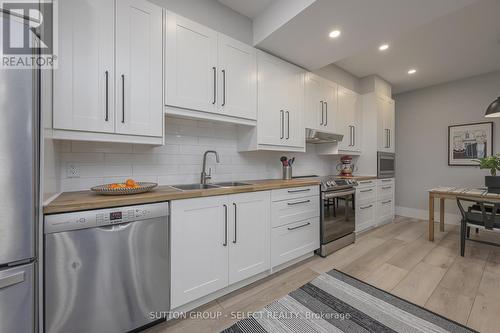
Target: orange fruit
130,183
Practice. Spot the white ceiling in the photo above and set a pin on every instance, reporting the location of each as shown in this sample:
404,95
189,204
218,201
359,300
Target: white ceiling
461,44
443,39
248,8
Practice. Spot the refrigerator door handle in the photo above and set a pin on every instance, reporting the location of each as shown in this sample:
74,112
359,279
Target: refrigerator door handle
11,280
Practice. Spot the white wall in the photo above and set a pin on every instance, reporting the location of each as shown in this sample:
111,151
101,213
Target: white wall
214,15
422,120
179,161
334,73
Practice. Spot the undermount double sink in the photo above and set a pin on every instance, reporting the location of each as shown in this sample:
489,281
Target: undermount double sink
188,187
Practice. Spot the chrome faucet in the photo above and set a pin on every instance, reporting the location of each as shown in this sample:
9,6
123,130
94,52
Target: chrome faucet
204,175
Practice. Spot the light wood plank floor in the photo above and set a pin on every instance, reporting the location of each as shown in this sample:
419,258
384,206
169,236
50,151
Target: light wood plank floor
397,258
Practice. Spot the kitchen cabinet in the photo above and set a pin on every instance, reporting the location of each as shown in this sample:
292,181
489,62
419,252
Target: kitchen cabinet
385,124
280,124
108,84
208,72
349,120
320,111
217,241
374,203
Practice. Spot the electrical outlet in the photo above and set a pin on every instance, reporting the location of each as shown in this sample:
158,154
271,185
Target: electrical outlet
72,170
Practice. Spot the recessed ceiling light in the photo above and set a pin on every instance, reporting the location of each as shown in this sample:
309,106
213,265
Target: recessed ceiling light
383,47
412,71
334,34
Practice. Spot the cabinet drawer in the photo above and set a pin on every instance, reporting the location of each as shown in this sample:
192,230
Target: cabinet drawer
294,240
288,211
294,192
366,216
366,194
385,191
385,210
366,183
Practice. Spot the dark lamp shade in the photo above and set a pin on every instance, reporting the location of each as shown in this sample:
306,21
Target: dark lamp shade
494,109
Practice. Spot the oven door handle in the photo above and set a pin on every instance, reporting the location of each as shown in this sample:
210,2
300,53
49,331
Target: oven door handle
338,194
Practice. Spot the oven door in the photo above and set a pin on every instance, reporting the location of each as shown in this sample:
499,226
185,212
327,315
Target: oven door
337,215
386,165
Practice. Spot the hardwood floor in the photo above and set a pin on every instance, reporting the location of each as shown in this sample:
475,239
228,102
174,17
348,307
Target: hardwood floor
397,258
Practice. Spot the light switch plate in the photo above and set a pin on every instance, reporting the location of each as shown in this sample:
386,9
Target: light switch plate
72,170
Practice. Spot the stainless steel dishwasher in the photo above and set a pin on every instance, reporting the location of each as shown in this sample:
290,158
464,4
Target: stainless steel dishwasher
106,270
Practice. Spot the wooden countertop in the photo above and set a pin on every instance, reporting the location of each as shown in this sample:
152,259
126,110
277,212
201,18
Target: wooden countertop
86,200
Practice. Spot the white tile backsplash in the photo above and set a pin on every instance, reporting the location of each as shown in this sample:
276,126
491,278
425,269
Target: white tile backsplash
179,161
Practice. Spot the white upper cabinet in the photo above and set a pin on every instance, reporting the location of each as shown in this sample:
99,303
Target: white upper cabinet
280,104
320,111
209,72
238,78
108,85
349,120
84,80
385,124
191,65
139,97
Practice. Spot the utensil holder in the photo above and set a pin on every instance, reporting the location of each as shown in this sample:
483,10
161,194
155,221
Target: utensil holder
287,172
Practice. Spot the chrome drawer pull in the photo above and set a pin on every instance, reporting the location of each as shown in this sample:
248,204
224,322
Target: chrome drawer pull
366,207
386,202
11,280
298,203
386,187
298,191
300,226
366,182
364,191
386,180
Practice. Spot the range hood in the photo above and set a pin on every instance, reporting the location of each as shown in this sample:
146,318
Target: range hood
315,136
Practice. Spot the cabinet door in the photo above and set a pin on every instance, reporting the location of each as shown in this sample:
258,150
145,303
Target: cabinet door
347,104
358,124
331,105
237,78
84,80
249,235
199,251
385,124
314,115
139,66
271,114
191,61
390,125
294,107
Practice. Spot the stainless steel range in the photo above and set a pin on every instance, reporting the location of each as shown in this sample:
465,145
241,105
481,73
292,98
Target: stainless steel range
337,214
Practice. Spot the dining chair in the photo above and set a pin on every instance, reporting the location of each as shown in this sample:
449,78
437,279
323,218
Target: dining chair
485,216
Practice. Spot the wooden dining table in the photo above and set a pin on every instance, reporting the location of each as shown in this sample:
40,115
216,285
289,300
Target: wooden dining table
446,192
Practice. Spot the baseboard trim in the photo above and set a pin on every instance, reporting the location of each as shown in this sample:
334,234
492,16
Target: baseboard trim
422,214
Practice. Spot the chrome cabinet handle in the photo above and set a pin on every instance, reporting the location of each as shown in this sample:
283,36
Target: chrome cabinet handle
326,113
215,85
353,136
322,113
386,202
386,187
366,207
123,98
235,222
364,191
298,191
390,143
287,125
107,96
300,226
282,128
298,203
225,226
223,87
386,180
11,280
365,182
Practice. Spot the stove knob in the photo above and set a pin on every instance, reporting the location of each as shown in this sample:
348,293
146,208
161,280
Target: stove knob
329,183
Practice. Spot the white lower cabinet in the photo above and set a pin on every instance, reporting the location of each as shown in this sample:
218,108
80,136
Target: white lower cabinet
217,241
374,203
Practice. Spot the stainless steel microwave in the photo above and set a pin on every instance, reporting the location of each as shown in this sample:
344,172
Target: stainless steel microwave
386,165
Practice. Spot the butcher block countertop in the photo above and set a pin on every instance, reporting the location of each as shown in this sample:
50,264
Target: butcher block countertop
86,200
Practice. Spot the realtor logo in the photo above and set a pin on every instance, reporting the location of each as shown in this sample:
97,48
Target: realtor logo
28,34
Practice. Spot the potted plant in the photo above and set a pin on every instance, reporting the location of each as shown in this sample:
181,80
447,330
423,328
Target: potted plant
493,164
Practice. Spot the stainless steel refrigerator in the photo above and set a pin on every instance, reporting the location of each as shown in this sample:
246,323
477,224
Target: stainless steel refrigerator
19,188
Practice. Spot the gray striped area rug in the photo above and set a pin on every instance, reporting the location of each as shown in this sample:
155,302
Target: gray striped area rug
337,302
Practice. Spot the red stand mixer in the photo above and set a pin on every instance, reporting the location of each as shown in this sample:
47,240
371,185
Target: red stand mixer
346,167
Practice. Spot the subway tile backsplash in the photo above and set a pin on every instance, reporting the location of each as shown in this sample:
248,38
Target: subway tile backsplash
179,161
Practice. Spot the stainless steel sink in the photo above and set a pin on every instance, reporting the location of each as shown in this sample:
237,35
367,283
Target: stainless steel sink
231,184
187,187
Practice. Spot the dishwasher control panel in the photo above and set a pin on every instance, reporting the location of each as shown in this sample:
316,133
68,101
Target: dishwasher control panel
103,217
